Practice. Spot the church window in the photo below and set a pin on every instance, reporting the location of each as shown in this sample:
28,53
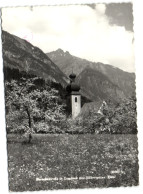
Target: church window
75,99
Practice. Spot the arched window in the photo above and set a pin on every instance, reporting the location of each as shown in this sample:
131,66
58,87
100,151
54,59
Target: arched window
75,99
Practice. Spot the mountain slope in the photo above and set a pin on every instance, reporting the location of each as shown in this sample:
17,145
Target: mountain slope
66,62
20,54
124,80
98,86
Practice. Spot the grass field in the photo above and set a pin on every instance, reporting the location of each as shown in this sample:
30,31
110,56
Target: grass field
110,159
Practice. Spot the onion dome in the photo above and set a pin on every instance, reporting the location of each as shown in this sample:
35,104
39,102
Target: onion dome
75,87
72,88
72,76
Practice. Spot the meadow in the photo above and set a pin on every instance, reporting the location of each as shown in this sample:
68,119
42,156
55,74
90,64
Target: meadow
72,161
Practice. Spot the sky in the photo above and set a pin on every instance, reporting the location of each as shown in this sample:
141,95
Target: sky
98,33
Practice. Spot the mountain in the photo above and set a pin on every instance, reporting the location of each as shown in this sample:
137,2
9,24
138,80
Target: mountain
97,80
20,54
124,80
66,62
99,86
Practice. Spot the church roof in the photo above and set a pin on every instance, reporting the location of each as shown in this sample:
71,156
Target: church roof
72,76
72,87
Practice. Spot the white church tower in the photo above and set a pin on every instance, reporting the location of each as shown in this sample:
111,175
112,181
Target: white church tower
75,97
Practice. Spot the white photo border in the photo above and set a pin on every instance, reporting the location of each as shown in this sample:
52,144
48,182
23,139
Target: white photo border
138,30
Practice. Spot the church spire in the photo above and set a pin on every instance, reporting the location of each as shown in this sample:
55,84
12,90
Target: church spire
73,91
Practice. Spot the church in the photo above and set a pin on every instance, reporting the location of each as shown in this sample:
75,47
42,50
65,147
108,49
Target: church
74,100
74,96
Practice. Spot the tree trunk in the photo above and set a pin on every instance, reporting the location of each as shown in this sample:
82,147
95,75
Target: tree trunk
29,117
29,122
30,138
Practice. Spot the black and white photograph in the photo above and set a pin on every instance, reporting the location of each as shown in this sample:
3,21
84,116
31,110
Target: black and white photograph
70,96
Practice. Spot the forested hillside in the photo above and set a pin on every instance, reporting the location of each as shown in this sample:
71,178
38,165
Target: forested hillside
20,54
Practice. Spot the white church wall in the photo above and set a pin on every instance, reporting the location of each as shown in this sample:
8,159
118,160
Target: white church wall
76,105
